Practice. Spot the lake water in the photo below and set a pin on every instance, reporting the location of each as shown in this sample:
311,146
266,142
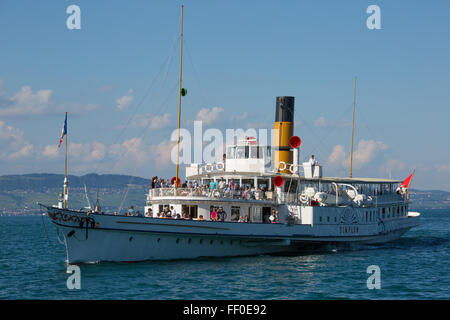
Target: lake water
416,266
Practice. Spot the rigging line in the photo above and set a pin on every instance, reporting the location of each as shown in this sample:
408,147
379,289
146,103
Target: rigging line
196,74
137,106
142,133
145,131
43,224
329,132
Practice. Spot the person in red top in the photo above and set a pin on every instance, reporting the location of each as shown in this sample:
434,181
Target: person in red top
214,214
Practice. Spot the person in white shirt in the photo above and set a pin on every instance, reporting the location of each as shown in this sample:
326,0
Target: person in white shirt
312,161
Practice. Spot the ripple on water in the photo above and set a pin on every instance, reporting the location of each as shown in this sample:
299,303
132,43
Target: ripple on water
413,267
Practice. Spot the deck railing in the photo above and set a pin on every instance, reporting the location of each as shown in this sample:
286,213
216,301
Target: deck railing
267,196
255,195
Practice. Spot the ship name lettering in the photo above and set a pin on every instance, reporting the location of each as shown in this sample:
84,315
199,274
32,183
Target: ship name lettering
348,230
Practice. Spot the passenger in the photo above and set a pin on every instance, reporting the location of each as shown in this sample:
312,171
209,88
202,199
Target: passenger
149,213
312,161
172,211
200,218
222,184
213,214
158,215
178,216
138,214
116,213
241,219
212,185
130,212
221,214
246,220
272,217
231,186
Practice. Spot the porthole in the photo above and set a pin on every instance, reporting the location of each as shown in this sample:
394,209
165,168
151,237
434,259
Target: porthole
178,240
211,242
201,240
190,240
159,239
131,239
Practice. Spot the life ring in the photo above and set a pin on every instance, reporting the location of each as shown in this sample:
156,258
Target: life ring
220,166
303,198
291,168
284,166
209,167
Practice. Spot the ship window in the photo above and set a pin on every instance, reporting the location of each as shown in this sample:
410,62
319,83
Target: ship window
268,154
320,219
242,152
235,213
231,153
366,217
328,219
254,152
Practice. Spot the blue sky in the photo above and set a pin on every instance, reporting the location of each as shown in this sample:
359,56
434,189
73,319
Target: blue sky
117,78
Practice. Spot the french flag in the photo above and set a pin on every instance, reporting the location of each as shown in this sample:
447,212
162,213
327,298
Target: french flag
64,131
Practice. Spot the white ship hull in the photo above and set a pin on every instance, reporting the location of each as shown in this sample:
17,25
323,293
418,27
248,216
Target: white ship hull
120,238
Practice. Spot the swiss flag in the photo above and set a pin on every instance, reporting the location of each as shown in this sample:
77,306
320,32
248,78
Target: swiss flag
405,184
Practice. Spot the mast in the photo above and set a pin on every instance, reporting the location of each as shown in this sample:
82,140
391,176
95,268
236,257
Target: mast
179,98
353,128
65,174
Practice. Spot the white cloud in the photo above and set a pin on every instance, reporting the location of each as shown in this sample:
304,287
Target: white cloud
208,116
134,147
239,117
322,122
366,151
87,152
135,153
13,143
443,167
125,102
337,157
51,151
153,122
364,154
26,102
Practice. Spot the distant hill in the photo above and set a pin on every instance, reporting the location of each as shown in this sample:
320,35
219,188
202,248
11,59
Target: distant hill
39,181
19,193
